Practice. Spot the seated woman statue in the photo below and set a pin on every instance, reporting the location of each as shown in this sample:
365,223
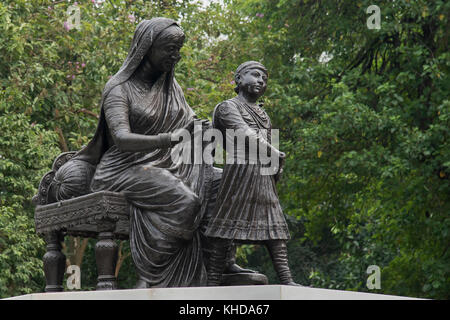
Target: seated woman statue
247,207
142,109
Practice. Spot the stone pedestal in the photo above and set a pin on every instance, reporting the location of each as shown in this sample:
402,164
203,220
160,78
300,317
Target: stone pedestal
261,292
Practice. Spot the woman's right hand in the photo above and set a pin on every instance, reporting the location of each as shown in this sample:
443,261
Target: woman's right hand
180,132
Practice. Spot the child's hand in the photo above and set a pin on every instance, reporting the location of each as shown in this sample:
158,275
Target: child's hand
282,160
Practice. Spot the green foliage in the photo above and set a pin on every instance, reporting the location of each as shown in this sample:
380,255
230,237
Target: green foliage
25,153
367,134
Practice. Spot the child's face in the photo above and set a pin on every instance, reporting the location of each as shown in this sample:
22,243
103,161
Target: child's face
253,82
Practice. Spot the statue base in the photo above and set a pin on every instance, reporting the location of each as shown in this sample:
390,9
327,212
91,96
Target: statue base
263,292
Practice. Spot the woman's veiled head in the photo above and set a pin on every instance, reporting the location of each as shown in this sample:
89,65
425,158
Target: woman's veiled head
145,36
164,53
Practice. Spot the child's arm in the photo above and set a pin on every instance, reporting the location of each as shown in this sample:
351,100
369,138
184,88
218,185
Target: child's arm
227,116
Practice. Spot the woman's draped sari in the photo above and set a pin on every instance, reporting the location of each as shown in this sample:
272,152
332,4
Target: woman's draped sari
167,199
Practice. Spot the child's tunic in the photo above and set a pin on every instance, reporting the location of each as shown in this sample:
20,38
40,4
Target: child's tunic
247,207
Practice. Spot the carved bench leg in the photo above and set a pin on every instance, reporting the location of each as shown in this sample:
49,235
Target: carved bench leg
106,257
54,262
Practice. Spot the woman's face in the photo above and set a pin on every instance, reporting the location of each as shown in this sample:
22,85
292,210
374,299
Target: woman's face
165,52
253,82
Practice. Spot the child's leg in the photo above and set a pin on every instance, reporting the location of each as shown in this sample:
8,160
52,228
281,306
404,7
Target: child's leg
278,253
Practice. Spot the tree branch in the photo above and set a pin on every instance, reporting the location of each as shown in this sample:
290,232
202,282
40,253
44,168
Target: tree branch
62,140
120,259
79,251
90,113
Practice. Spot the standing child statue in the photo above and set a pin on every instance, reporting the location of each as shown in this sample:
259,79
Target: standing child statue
247,208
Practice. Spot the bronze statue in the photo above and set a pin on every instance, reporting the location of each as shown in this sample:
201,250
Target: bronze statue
247,208
142,108
143,113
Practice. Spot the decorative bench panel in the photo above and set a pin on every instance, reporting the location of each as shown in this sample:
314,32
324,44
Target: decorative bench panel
103,215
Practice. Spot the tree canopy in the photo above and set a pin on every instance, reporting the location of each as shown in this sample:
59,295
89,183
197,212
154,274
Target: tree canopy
364,118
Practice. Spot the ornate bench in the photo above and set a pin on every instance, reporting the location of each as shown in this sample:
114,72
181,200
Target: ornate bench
102,215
